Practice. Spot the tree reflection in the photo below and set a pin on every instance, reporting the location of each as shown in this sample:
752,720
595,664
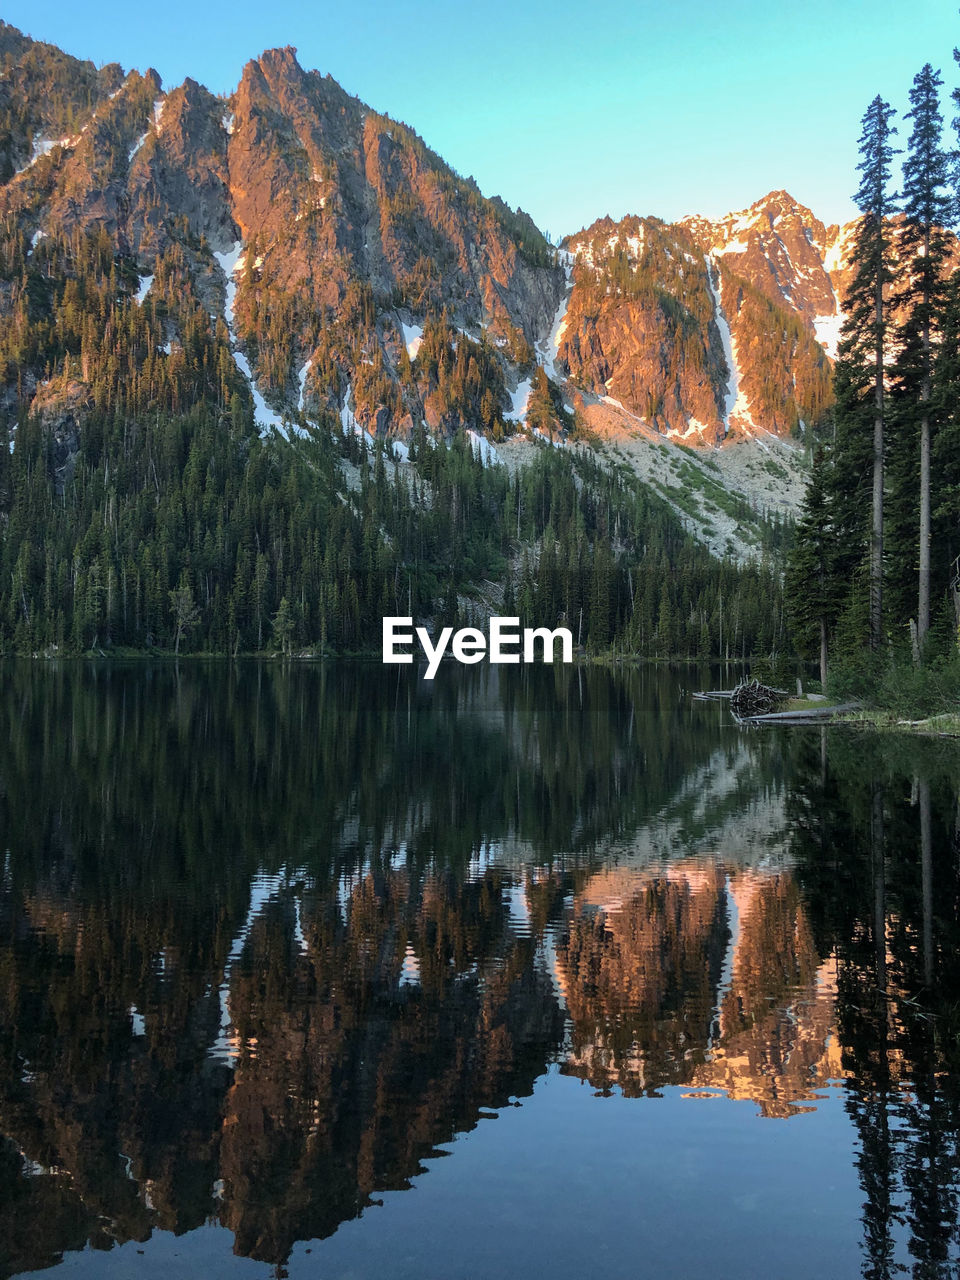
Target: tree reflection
895,933
271,936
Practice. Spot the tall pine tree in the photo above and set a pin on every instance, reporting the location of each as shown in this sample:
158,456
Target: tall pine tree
866,328
813,588
927,210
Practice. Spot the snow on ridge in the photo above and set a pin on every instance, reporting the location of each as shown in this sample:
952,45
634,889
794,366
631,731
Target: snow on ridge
158,107
584,250
35,240
145,283
136,146
228,121
42,147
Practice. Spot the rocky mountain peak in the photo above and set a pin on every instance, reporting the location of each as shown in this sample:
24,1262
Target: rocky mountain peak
707,329
316,230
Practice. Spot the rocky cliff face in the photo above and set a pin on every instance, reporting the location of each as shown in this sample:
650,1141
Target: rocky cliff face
357,275
708,331
326,236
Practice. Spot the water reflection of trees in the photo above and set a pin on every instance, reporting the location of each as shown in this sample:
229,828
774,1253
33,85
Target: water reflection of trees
878,837
174,1046
346,1074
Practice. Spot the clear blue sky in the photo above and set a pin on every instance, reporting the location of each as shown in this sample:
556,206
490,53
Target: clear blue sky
571,110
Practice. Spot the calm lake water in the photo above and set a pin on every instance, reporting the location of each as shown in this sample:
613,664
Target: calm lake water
325,971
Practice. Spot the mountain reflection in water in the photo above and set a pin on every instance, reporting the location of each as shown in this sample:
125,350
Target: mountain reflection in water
272,937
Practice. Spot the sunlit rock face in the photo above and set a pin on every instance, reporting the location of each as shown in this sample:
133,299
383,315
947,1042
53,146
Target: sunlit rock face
709,331
323,234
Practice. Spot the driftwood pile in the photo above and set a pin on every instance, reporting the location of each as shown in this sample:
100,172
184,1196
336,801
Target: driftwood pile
755,699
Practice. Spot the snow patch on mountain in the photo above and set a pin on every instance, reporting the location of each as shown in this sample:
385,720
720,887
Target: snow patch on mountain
136,146
519,401
837,254
348,420
827,329
230,262
302,380
694,428
549,346
42,147
483,449
263,414
732,392
412,338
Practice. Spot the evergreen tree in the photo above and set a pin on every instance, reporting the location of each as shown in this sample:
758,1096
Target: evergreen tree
866,327
184,610
813,593
927,209
283,627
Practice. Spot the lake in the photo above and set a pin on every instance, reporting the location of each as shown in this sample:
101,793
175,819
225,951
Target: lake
321,969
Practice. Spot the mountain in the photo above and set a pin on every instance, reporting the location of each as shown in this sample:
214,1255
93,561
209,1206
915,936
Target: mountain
708,331
333,243
327,237
231,327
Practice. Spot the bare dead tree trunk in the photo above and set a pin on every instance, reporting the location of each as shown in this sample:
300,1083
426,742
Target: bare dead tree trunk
876,532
